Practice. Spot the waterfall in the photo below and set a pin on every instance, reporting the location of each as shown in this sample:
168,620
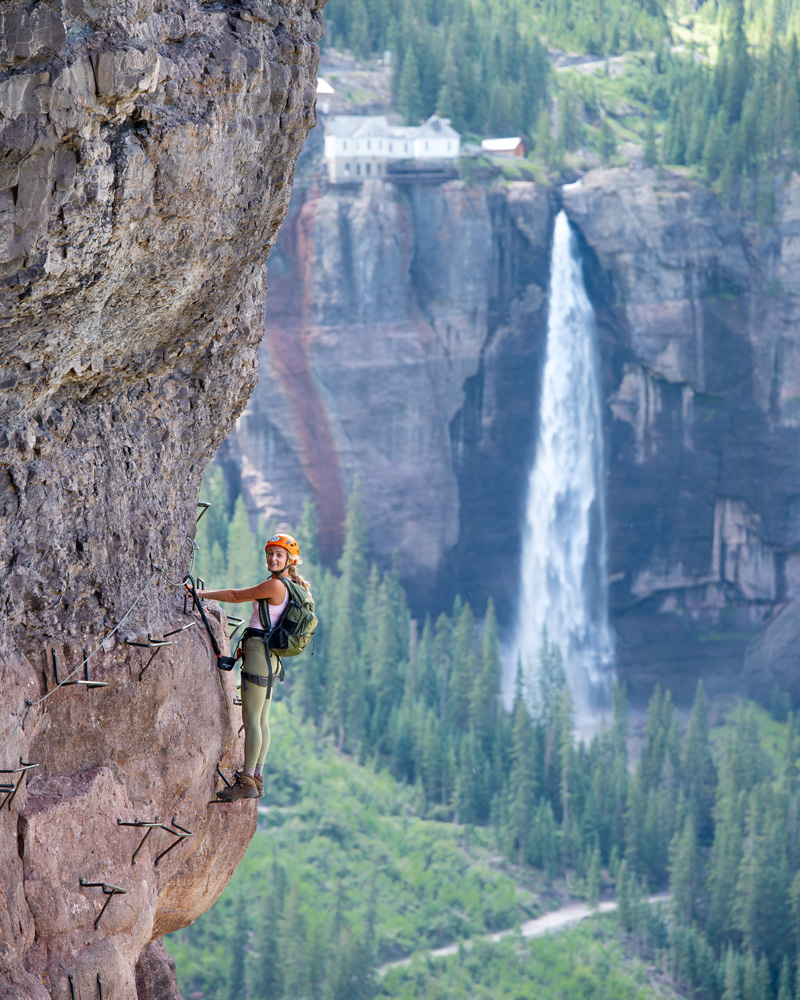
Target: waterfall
564,575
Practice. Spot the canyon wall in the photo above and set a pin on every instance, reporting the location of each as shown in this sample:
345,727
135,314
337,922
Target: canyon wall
698,316
404,342
147,151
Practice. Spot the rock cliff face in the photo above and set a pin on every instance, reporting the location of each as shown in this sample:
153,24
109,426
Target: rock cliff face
404,340
147,150
698,313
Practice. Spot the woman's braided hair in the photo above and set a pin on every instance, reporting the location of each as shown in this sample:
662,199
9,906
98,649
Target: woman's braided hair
296,578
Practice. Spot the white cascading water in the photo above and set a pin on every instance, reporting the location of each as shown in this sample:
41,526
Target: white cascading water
564,578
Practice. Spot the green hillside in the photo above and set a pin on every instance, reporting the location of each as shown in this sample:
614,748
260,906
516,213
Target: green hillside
714,89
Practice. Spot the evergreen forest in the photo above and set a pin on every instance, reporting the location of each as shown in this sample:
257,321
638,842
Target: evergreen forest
712,87
406,809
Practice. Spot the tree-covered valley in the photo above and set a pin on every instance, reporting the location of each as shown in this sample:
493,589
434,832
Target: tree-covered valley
405,809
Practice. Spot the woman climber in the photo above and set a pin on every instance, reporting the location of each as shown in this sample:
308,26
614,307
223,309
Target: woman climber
283,557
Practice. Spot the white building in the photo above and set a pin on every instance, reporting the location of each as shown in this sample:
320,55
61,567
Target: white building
358,147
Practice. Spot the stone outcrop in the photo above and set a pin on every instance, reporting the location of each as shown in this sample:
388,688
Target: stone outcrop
147,151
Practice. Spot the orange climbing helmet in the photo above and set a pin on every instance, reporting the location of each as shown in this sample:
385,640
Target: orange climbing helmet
286,542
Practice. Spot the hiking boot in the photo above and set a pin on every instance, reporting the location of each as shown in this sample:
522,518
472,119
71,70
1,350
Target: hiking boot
244,787
259,785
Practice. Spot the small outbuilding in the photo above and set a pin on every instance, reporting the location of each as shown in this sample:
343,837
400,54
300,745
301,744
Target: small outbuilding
511,146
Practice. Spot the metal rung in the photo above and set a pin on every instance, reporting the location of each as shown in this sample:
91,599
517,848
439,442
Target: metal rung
11,790
151,642
205,507
86,681
109,890
181,629
155,644
180,832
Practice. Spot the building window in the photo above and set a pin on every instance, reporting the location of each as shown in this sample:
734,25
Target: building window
449,145
369,168
344,145
426,146
369,144
390,147
358,168
405,147
347,168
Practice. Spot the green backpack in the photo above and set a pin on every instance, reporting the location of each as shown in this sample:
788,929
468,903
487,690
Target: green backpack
295,628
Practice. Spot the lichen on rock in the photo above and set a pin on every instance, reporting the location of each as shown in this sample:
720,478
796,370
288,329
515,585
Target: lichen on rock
147,152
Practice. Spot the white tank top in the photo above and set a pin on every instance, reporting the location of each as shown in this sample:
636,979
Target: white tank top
275,610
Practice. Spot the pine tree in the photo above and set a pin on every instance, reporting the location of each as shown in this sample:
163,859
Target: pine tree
700,774
608,141
593,879
785,981
270,983
211,537
307,533
292,938
543,141
684,867
650,149
410,89
523,779
450,103
345,667
246,566
236,984
484,704
463,671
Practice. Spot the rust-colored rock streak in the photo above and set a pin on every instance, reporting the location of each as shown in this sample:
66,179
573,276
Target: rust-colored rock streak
288,339
147,151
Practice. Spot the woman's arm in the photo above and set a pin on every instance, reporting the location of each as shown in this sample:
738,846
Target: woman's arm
270,590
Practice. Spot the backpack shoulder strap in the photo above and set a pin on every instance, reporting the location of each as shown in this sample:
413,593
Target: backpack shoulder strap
263,608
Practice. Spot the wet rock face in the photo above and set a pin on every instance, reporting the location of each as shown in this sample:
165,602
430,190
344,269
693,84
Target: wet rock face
698,319
147,150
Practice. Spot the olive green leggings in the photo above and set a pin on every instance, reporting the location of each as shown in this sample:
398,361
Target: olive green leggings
255,704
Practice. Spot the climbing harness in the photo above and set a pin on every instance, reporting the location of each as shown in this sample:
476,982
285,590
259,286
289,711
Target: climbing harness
223,662
259,679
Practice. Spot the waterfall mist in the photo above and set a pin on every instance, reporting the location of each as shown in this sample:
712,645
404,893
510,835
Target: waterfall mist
564,576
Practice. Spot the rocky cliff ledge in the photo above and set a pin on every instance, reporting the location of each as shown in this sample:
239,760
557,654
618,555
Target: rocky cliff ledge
147,150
